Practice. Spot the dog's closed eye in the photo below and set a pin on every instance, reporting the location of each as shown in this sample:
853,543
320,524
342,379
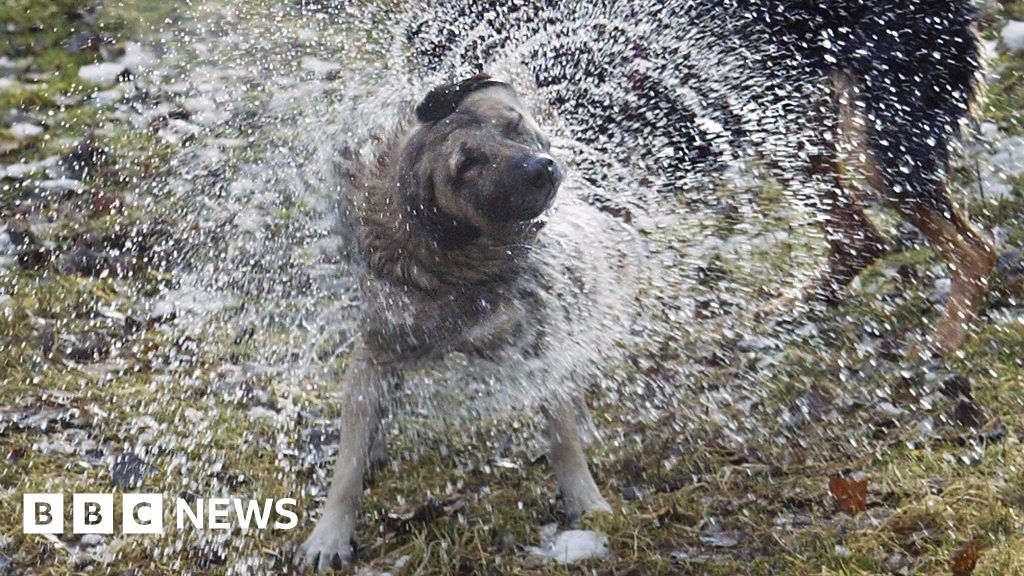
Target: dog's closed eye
467,161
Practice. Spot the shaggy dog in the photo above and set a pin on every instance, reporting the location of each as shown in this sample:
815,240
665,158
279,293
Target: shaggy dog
459,259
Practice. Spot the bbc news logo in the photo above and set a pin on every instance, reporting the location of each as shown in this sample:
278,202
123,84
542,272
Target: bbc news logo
144,514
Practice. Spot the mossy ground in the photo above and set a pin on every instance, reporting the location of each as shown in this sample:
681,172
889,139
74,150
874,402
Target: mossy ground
928,495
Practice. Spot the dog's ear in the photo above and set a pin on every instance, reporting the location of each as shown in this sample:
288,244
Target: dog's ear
442,101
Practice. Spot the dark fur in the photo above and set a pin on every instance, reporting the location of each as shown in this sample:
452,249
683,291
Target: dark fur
443,100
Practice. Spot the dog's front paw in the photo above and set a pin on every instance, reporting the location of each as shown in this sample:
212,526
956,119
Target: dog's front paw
329,546
585,504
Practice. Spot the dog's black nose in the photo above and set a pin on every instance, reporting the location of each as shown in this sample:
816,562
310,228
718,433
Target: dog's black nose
541,172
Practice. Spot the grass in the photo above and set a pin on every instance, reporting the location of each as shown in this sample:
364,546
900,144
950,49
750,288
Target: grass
928,493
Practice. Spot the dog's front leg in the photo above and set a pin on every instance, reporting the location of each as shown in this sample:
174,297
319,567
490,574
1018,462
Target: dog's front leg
579,491
366,387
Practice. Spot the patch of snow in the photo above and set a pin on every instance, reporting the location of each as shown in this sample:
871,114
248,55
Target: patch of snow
889,409
6,83
103,74
193,301
22,130
1001,160
573,546
259,412
61,185
179,132
1013,35
23,169
92,539
204,111
318,66
136,57
108,97
198,104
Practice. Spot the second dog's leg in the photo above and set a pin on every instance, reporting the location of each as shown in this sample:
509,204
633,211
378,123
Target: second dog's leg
579,492
971,259
854,241
330,543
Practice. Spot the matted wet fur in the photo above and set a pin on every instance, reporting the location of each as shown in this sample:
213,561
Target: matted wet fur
449,220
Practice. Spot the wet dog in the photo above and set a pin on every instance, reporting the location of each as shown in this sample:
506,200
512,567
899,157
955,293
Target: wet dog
449,221
689,87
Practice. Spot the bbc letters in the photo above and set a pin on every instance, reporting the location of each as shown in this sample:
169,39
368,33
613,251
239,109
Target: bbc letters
145,514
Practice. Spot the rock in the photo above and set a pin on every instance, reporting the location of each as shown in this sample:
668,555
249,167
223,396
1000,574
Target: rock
23,130
573,546
957,386
259,412
6,245
1012,35
46,339
85,262
1010,274
889,410
897,564
161,312
318,443
721,538
817,402
968,414
88,347
85,41
631,493
104,74
28,250
940,291
756,344
82,160
128,470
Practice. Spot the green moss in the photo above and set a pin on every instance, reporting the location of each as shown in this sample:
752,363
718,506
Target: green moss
1004,101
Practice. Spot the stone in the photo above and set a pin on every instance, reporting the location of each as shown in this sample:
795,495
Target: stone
103,74
1012,35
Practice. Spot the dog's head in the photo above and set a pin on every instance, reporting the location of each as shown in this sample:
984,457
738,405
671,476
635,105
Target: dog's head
477,163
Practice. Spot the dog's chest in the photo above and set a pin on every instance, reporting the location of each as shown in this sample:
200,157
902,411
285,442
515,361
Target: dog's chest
488,322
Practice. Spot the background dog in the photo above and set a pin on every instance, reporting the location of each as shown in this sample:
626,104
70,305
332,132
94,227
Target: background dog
685,88
458,258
